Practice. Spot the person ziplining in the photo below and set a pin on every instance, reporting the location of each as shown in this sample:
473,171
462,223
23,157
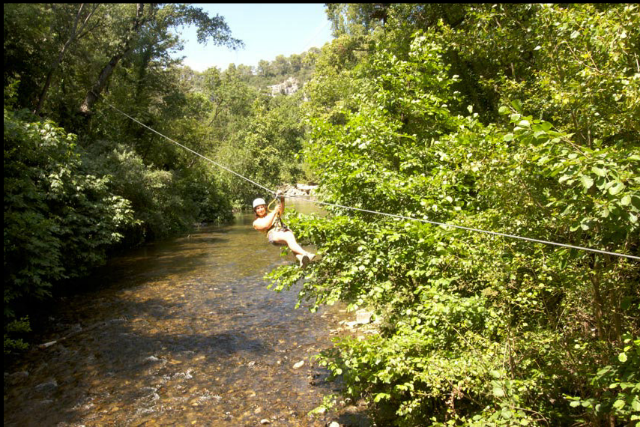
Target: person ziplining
277,232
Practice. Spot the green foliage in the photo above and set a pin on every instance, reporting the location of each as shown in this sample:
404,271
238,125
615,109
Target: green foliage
158,205
476,329
254,134
67,205
575,66
12,344
169,187
356,19
59,219
26,48
619,386
330,88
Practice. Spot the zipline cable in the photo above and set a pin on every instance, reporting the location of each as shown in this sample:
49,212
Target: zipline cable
189,149
495,233
513,236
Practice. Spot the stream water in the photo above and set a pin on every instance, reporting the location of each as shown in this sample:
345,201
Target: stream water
182,332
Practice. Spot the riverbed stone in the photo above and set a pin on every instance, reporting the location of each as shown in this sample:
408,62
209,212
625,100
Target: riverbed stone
363,316
47,387
152,359
16,377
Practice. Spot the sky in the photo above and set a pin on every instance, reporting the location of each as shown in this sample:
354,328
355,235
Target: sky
267,30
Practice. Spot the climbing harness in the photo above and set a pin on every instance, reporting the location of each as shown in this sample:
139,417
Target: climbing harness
494,233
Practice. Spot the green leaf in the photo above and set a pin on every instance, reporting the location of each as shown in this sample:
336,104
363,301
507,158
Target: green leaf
616,188
622,357
517,104
381,396
619,404
626,200
587,182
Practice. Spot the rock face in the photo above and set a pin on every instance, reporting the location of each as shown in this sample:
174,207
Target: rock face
288,87
298,190
363,317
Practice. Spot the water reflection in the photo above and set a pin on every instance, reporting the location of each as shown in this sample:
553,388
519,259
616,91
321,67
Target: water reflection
179,333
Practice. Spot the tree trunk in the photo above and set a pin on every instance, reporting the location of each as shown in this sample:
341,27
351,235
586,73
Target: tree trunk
47,83
72,37
125,47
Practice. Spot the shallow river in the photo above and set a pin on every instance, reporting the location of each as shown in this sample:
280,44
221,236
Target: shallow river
182,332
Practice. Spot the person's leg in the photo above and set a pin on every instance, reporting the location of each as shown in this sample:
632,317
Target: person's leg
288,238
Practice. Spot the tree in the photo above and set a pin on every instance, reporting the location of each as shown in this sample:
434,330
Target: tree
356,19
265,68
214,28
281,66
67,204
478,329
124,47
59,220
79,28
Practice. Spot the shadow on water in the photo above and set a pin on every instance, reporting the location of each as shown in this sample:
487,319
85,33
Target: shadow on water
179,333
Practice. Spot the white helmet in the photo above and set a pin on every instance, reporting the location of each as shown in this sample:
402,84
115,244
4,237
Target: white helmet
258,202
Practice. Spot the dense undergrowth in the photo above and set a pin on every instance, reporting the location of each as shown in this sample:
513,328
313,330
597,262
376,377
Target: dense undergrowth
479,329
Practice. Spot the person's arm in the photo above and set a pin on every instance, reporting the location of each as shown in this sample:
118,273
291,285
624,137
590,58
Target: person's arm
263,224
281,204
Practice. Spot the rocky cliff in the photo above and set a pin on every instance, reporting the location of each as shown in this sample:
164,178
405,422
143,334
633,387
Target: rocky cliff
288,87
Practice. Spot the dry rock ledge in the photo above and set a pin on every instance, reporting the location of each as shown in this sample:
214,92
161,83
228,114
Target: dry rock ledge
291,190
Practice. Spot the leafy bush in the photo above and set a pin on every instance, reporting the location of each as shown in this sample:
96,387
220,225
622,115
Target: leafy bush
59,219
476,329
618,385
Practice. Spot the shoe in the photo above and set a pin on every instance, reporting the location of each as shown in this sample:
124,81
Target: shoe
299,258
304,261
310,256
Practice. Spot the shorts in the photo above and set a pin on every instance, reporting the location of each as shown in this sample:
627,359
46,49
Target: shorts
272,241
